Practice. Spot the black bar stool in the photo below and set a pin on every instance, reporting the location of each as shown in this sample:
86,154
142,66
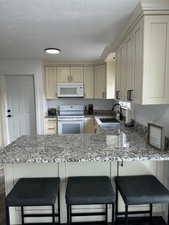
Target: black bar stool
89,190
34,192
140,190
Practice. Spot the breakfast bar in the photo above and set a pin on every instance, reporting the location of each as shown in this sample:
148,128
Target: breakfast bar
111,152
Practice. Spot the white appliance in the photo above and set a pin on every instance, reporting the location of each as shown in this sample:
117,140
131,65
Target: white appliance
71,119
70,90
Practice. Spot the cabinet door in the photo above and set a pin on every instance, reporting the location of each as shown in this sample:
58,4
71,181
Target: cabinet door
118,74
89,125
89,81
63,74
123,71
130,68
156,60
50,126
76,73
138,62
100,82
110,79
51,80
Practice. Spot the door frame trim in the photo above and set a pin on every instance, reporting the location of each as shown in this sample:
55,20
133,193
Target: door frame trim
3,107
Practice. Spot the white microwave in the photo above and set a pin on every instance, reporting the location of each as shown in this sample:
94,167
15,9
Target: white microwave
70,90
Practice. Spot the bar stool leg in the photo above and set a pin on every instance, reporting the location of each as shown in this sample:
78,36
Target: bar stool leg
168,215
68,216
70,213
59,206
126,214
151,213
22,215
53,214
106,211
116,212
7,216
112,214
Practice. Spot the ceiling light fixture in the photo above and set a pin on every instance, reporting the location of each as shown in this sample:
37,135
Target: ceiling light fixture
54,51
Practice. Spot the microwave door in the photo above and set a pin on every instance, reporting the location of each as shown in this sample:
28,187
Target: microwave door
68,92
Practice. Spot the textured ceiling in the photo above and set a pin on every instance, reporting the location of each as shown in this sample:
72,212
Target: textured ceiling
81,28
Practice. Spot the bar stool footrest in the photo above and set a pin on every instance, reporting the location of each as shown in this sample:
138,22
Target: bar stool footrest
89,214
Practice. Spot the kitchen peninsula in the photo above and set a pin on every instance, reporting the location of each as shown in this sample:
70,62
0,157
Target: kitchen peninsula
81,154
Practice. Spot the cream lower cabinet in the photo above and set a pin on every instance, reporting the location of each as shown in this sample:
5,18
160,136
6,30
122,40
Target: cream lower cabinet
100,82
51,126
89,126
50,82
142,66
88,81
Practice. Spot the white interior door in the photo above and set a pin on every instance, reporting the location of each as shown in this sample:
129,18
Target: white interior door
20,105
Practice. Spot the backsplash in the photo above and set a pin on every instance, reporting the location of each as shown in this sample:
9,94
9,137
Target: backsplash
152,113
99,104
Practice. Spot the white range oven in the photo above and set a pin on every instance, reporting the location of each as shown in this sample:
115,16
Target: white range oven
70,90
71,119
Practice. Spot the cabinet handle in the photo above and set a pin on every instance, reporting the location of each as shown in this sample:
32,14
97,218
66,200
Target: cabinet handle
103,94
51,128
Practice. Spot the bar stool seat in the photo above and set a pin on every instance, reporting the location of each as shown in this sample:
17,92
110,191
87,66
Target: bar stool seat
140,190
145,189
34,192
89,190
86,190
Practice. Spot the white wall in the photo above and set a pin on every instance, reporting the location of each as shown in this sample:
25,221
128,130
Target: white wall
29,67
152,113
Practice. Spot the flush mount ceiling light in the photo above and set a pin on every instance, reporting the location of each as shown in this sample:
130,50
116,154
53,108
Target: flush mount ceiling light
54,51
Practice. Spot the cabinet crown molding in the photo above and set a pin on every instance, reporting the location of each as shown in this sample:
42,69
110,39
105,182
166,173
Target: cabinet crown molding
145,7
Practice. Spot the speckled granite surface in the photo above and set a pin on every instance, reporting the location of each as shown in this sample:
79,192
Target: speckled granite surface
2,197
119,144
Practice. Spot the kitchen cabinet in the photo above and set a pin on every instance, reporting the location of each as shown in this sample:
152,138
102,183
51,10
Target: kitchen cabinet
51,79
88,81
63,74
50,126
89,126
110,76
142,65
100,82
72,74
76,74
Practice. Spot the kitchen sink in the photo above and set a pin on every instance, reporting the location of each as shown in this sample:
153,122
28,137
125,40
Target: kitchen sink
109,120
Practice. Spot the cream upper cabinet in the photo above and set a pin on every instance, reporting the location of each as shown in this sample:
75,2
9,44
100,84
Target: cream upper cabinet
72,74
110,76
142,65
118,75
156,60
100,82
76,74
63,74
51,80
88,81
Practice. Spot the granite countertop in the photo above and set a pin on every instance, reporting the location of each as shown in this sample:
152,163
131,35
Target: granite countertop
107,145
